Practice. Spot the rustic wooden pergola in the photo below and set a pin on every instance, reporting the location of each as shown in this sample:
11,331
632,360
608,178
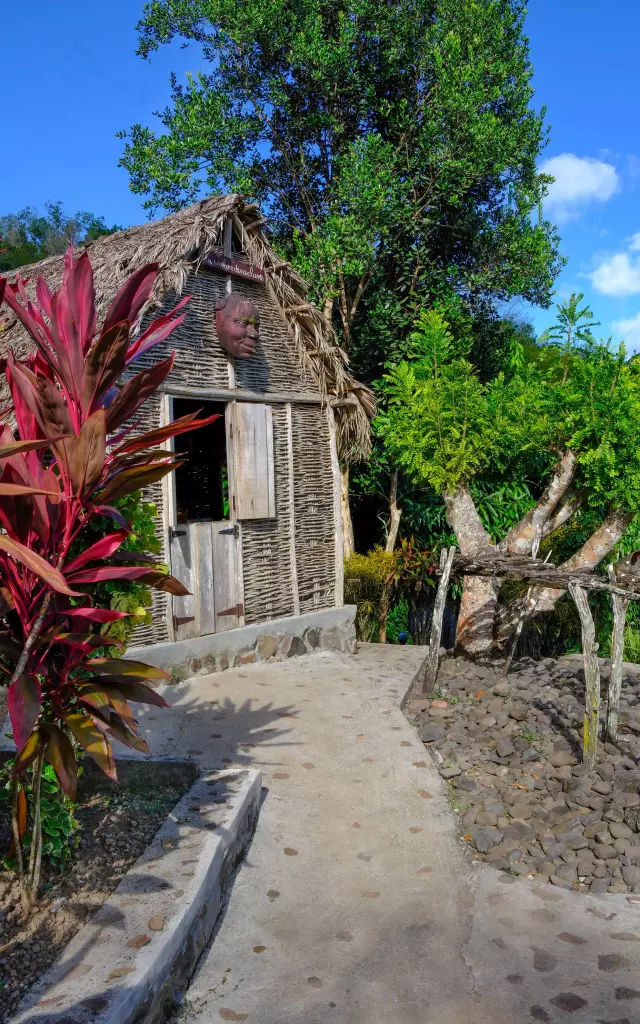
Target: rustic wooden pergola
623,586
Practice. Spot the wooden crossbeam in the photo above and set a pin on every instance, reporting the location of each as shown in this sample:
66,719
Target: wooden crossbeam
519,567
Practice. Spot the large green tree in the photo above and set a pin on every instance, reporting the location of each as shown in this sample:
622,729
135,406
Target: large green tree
28,236
391,142
562,423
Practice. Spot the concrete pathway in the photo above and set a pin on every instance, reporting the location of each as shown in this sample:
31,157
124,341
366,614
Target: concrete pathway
357,903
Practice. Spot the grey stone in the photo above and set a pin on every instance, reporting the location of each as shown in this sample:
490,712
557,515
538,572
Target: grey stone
518,711
268,647
312,638
502,689
430,733
602,786
561,758
505,748
631,876
450,773
486,838
292,646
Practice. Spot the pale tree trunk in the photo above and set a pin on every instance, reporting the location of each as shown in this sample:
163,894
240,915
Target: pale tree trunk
395,514
348,544
544,599
479,600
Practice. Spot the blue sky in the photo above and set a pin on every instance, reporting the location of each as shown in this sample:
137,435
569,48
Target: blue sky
74,81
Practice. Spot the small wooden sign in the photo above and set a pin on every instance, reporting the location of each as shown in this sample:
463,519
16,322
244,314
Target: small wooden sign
238,268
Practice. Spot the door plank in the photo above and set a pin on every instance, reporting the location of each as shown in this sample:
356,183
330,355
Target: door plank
227,599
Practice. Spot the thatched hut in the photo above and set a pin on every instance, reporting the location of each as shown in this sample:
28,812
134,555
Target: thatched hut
251,523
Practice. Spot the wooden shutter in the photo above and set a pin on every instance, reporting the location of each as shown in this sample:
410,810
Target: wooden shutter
253,470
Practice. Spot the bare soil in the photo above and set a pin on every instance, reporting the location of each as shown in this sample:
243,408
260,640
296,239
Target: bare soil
116,828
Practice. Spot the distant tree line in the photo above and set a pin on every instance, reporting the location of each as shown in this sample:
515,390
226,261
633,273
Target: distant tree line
28,236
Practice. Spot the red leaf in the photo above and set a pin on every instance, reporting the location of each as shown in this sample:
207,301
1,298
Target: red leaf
17,447
24,700
22,821
162,581
135,392
14,490
138,692
102,548
89,736
81,297
104,363
86,453
161,329
37,564
96,614
29,752
124,668
61,756
116,728
129,480
109,572
155,437
131,297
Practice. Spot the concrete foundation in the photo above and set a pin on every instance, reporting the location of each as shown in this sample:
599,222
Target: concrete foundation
330,629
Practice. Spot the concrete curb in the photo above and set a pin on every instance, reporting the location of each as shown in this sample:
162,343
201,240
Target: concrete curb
143,944
328,629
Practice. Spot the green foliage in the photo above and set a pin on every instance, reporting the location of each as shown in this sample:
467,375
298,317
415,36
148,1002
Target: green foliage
126,595
28,237
398,622
60,827
444,426
366,584
393,146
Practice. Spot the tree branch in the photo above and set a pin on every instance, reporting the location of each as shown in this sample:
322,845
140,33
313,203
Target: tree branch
521,537
544,599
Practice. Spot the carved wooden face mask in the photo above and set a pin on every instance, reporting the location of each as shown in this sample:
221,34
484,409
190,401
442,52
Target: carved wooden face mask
238,325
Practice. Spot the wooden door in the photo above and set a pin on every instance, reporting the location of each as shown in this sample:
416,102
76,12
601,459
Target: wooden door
204,556
204,552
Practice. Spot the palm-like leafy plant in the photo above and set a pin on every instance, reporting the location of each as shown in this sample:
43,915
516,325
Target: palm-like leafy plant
68,450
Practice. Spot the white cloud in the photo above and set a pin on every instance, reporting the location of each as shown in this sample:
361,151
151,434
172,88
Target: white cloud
579,181
629,331
617,276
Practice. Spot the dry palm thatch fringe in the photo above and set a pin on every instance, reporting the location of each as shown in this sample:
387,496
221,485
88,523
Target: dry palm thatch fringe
179,243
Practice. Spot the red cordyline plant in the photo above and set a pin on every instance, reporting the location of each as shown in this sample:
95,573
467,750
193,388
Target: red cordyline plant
70,452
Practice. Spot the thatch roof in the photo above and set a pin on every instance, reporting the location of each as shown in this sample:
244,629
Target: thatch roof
178,243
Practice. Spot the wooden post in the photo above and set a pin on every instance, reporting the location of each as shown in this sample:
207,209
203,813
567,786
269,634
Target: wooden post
620,605
431,662
592,676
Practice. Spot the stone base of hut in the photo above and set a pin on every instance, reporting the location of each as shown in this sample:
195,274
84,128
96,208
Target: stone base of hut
330,629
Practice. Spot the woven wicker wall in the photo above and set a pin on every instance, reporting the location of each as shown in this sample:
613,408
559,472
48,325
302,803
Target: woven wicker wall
157,632
266,544
201,362
314,511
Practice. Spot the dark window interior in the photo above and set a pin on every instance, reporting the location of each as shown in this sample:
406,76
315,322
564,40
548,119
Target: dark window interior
202,491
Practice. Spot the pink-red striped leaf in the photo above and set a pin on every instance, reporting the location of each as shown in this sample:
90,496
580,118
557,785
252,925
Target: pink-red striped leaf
24,700
102,548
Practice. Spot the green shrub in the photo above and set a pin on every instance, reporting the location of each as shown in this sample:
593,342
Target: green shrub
398,622
366,584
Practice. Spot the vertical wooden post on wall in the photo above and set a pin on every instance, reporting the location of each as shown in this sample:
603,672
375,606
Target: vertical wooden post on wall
227,241
292,511
337,507
169,506
231,483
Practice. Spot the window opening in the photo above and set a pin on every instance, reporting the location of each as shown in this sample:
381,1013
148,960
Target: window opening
202,483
